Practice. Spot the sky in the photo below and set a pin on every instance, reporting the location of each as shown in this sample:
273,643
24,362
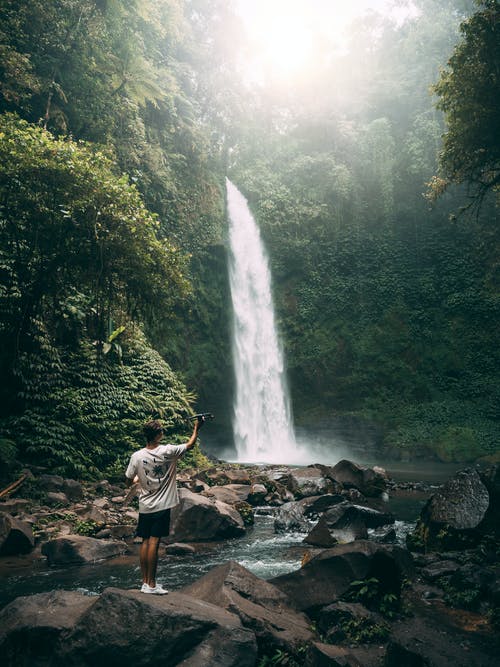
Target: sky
286,33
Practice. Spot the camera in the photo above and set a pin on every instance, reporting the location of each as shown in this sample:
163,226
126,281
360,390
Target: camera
204,416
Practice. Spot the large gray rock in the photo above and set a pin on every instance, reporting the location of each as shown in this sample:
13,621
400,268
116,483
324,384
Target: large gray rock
456,514
310,481
198,519
261,606
290,517
30,627
230,493
78,549
130,628
16,537
370,481
327,576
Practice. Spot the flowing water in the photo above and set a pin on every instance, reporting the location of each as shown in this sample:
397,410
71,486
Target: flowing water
262,422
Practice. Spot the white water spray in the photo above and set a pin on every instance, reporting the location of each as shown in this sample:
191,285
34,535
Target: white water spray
262,421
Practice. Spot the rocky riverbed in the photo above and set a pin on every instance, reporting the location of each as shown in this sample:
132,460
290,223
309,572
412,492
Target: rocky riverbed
357,591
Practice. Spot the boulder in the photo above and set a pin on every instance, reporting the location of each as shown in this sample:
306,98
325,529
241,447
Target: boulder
310,481
30,627
230,493
50,483
258,494
198,519
130,628
262,607
291,517
334,621
73,490
57,498
320,535
16,537
78,549
453,518
345,523
316,505
369,481
327,576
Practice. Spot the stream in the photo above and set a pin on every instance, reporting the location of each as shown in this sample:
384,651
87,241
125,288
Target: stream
261,551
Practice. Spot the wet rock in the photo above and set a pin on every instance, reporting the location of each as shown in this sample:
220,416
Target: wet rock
16,537
384,535
370,482
290,517
315,506
78,549
130,628
179,549
198,519
327,576
262,607
320,535
258,493
30,627
310,481
453,517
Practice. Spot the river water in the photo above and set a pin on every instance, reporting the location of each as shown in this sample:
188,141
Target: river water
261,551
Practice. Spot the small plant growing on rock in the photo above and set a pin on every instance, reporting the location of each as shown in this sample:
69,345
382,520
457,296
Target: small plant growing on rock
87,528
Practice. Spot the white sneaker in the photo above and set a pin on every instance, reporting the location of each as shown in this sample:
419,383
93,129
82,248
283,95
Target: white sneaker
156,590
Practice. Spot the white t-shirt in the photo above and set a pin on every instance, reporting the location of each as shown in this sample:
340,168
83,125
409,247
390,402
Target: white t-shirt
156,469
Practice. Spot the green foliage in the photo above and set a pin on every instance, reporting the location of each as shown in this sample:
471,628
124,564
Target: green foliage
371,593
88,527
469,90
281,657
461,597
8,457
458,445
360,631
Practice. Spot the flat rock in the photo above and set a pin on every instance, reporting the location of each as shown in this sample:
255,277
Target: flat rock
261,606
78,549
130,628
230,493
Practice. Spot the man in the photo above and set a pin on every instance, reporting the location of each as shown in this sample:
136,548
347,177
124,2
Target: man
154,468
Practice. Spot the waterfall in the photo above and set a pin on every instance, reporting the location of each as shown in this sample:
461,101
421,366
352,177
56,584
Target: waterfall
262,420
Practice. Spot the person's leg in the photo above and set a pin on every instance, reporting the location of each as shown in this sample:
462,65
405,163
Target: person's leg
143,559
152,560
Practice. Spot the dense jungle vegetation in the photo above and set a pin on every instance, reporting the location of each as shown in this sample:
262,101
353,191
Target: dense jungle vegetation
118,124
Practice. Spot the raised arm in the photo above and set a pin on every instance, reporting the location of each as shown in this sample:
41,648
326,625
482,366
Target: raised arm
197,425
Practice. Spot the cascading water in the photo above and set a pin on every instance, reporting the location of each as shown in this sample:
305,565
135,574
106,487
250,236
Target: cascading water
262,421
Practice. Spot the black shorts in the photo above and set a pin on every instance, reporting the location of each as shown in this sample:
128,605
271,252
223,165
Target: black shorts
153,524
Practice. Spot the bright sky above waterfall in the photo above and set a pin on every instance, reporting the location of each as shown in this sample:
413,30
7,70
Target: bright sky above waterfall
287,35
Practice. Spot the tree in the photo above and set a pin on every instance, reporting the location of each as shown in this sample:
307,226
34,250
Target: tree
469,91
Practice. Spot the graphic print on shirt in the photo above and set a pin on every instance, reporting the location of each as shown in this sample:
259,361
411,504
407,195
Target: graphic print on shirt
154,475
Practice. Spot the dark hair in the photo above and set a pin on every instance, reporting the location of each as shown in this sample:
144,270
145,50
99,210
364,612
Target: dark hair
151,429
